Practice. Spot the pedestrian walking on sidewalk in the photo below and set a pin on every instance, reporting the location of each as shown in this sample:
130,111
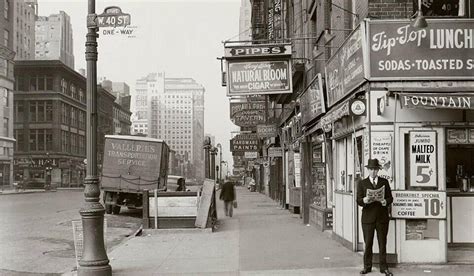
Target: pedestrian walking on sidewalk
228,196
375,196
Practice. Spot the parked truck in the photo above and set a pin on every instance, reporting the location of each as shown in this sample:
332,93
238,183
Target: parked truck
131,165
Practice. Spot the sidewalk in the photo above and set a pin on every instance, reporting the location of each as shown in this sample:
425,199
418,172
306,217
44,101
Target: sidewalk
261,239
12,191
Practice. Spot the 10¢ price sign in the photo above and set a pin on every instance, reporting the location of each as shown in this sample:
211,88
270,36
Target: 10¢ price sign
419,204
423,162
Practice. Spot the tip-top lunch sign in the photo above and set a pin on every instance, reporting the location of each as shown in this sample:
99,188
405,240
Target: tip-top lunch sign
443,50
258,69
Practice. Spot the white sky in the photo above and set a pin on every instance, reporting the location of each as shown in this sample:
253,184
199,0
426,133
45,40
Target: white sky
181,37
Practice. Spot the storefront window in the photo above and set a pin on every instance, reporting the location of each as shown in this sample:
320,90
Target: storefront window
460,158
318,170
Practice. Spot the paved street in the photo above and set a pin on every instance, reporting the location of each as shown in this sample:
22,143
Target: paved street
36,234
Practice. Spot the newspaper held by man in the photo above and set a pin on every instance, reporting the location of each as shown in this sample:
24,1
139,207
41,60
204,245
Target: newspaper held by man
376,194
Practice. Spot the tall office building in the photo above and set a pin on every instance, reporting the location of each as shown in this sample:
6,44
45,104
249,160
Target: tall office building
54,40
245,31
25,13
6,97
172,109
145,88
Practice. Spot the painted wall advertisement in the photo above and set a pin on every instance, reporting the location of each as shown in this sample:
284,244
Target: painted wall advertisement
345,69
312,100
423,162
259,77
419,204
381,148
443,50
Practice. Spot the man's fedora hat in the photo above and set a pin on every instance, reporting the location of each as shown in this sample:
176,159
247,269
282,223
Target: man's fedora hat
373,164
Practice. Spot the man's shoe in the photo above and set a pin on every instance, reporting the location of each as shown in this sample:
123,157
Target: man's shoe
386,272
365,270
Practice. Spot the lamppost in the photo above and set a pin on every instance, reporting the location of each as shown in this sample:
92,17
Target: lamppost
213,152
48,168
94,259
207,146
220,162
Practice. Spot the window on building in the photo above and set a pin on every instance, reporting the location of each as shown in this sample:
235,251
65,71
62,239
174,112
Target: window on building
32,111
20,140
6,35
6,128
41,111
49,82
6,9
49,111
64,86
442,7
5,94
49,139
19,111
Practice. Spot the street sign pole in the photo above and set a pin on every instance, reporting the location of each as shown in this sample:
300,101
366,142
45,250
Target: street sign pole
94,261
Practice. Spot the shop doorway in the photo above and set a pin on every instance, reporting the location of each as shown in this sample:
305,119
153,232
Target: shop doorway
460,191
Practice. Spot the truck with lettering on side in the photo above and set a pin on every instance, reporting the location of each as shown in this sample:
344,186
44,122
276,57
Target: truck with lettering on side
131,165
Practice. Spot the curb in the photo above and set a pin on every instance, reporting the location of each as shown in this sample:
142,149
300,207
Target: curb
25,192
154,232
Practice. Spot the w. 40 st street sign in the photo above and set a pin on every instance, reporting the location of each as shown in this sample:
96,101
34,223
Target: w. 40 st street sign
113,17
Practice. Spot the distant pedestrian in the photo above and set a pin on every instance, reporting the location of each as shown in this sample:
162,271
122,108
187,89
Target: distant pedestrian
374,215
228,196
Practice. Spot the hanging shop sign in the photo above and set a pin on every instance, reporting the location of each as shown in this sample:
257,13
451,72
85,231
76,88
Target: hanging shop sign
456,136
345,69
257,50
436,100
442,50
419,204
251,155
381,148
235,108
248,118
244,142
334,115
357,107
267,131
423,162
312,100
247,114
259,77
275,152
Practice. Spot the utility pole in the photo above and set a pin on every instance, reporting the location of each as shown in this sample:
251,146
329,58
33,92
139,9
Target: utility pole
94,261
207,147
220,162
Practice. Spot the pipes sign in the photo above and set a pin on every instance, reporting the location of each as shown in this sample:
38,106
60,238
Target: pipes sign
423,162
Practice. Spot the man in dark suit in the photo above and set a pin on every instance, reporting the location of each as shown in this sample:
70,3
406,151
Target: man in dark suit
374,216
228,196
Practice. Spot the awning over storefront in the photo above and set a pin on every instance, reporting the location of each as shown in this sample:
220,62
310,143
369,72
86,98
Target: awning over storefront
334,115
437,100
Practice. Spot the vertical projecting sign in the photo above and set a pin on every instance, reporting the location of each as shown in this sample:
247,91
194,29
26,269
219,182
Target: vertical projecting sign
423,162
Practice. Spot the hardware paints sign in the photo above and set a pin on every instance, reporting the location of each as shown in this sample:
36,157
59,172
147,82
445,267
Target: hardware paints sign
443,50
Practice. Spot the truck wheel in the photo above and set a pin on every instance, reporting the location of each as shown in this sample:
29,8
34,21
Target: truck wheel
116,209
108,206
108,209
